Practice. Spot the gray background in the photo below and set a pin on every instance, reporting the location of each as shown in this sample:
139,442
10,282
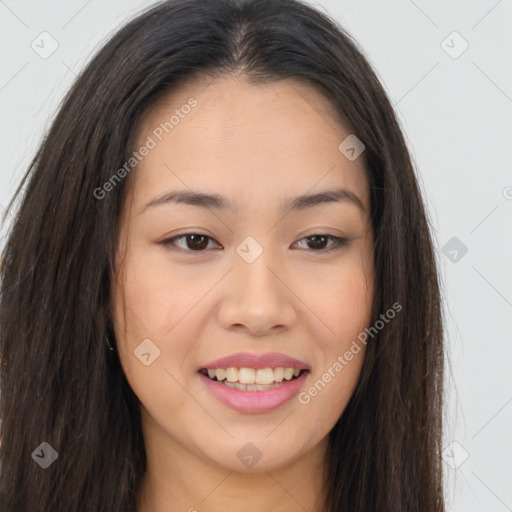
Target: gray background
457,117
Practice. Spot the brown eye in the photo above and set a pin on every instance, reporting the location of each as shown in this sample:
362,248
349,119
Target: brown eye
194,242
318,243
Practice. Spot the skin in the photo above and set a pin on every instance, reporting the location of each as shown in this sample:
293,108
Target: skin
258,145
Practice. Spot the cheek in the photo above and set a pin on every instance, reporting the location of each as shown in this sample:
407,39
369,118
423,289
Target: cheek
344,304
328,392
149,306
155,297
345,307
347,312
353,299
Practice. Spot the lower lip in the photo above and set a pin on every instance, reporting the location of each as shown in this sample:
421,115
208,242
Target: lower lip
255,401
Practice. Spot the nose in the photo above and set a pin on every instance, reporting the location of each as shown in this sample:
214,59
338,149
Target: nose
256,299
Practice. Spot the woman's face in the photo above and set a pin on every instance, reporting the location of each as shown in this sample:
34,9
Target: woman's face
254,278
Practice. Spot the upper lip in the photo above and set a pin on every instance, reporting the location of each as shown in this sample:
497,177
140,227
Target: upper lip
247,360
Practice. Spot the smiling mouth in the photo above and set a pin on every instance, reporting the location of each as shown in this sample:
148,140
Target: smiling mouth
252,379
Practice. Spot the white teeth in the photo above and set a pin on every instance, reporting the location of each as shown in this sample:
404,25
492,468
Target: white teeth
279,374
232,374
288,373
265,376
248,375
250,378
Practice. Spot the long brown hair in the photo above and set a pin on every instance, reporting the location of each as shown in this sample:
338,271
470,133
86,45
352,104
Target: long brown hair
61,384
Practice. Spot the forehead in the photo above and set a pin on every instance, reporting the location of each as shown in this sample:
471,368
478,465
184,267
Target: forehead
239,139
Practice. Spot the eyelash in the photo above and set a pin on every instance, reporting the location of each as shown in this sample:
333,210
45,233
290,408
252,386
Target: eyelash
339,243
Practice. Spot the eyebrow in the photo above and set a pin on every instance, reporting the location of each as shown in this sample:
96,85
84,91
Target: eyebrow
218,202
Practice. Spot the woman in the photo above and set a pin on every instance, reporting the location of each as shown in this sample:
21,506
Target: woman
220,287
